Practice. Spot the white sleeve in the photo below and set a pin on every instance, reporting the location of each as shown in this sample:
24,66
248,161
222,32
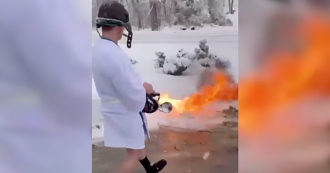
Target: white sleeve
128,87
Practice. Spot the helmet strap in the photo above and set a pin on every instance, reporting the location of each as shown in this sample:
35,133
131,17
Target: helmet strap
101,22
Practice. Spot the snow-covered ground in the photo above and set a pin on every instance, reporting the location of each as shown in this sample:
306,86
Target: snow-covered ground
223,41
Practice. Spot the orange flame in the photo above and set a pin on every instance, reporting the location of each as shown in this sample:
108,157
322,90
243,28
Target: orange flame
287,78
224,89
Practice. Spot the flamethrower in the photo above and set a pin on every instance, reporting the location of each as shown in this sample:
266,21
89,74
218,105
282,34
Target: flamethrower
152,104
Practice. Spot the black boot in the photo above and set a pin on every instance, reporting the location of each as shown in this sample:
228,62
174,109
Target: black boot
158,166
155,168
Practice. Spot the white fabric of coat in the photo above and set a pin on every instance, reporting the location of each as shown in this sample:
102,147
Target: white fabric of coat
122,96
45,91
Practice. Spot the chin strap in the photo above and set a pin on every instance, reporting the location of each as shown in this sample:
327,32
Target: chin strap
97,30
129,39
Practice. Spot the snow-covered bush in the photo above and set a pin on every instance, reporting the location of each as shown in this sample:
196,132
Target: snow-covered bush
202,54
175,65
207,59
206,62
159,62
172,67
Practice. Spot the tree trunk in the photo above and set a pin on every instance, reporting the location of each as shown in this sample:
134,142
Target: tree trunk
153,16
137,12
231,6
164,7
210,6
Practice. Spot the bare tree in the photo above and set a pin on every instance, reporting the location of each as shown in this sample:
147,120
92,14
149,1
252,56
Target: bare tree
155,23
231,6
137,12
164,9
211,5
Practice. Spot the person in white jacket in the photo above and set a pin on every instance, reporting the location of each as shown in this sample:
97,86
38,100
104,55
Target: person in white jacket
122,92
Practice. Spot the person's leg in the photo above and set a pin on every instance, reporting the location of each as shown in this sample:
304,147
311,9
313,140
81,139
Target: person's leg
132,159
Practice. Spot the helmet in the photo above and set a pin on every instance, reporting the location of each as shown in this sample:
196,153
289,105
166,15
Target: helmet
114,14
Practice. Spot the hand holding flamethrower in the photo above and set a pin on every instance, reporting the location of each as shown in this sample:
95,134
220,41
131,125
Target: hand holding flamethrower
152,101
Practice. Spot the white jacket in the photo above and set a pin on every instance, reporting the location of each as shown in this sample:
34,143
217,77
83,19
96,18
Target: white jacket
122,96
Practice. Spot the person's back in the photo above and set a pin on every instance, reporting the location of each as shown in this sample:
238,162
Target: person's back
110,67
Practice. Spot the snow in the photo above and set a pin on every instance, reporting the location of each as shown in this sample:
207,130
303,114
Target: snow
206,155
169,66
222,41
184,61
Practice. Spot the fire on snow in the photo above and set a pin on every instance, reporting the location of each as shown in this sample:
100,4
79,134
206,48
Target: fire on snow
223,89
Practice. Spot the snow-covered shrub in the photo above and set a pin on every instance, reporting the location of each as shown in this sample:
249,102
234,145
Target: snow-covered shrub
203,46
206,59
181,53
206,62
202,54
159,62
174,67
179,64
